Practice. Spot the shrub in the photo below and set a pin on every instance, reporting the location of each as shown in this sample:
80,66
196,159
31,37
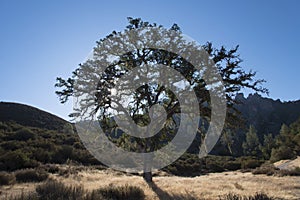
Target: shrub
232,165
270,169
56,190
51,168
7,178
257,196
24,134
14,160
293,172
31,175
267,169
250,163
94,195
23,196
42,155
282,153
214,167
53,189
62,154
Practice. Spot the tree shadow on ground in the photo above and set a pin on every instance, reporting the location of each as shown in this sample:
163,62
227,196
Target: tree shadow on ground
163,195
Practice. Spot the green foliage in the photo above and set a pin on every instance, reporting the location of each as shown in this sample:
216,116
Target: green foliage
7,178
250,163
31,175
24,134
232,165
228,64
267,146
62,154
28,116
186,165
282,153
26,147
191,165
251,145
14,160
287,143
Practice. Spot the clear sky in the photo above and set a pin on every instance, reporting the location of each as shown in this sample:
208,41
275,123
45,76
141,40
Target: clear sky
40,40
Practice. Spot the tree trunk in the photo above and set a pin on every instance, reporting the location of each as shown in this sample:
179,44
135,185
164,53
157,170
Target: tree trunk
147,177
147,174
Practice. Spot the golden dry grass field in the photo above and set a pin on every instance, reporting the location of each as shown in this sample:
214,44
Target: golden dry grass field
209,186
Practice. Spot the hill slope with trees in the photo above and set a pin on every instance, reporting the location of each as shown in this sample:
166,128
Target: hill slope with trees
26,143
30,116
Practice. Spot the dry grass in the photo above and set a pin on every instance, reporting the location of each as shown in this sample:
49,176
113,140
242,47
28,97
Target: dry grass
172,187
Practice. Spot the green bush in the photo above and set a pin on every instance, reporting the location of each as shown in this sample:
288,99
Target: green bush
7,178
187,165
282,153
214,167
250,163
62,154
232,165
41,155
14,160
24,134
31,175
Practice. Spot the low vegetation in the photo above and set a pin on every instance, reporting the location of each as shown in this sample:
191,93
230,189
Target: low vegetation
31,175
91,183
39,146
55,190
33,154
7,178
269,169
258,196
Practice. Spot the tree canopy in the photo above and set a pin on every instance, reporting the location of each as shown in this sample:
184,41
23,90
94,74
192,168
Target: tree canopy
95,81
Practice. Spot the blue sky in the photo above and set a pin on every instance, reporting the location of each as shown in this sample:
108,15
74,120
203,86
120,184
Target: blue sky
40,40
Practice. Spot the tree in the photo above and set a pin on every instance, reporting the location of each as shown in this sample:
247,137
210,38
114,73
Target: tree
145,97
286,143
267,146
251,145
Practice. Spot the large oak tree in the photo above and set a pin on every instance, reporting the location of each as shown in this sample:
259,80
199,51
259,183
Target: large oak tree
227,63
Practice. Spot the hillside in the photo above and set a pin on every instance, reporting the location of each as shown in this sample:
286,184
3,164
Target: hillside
31,139
30,116
40,137
267,115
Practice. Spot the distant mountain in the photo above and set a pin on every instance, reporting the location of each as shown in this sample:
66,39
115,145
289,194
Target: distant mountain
267,115
30,116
